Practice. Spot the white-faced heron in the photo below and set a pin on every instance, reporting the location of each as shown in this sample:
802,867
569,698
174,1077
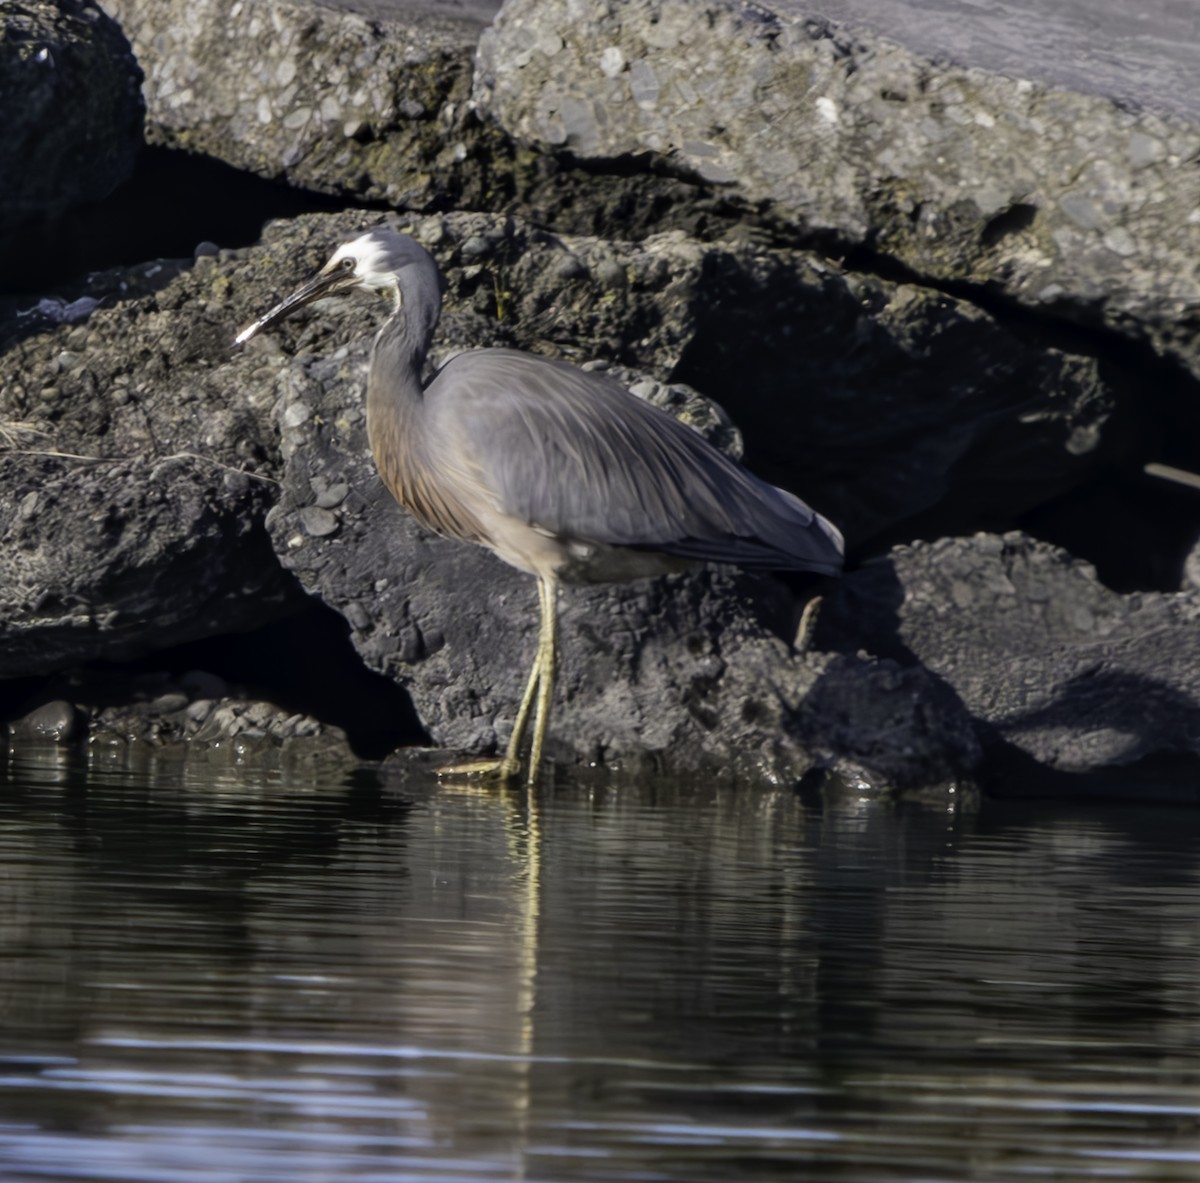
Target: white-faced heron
562,473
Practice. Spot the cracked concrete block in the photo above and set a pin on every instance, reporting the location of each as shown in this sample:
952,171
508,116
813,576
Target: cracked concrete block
1069,203
365,101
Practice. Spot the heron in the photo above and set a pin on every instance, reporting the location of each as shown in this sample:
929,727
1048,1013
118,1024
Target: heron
561,472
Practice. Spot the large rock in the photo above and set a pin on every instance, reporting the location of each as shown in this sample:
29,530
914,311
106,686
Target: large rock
1041,653
115,559
368,103
1145,55
71,109
136,476
900,410
1072,204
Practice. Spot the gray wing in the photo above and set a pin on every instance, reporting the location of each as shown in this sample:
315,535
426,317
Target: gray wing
576,454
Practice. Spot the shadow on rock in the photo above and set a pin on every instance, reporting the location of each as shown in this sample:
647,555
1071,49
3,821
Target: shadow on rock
1061,674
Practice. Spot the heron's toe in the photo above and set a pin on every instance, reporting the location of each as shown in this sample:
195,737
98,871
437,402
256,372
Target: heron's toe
489,769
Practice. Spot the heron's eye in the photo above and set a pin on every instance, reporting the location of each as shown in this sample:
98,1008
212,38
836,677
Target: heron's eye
348,264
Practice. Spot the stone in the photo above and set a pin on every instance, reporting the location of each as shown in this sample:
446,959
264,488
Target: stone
71,106
55,722
136,541
124,558
1076,205
1046,659
364,104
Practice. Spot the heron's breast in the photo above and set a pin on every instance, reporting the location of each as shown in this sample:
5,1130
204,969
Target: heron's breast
418,483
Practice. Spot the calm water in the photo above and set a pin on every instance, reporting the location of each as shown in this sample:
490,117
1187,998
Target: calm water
209,979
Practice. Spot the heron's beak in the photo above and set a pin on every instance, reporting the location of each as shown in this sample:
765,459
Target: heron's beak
324,283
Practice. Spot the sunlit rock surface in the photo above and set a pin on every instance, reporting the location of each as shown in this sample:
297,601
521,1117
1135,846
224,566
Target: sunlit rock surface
363,101
1069,203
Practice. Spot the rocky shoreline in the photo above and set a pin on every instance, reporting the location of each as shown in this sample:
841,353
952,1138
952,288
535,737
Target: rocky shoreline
952,309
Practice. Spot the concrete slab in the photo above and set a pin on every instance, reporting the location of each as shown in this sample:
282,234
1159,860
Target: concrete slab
1146,53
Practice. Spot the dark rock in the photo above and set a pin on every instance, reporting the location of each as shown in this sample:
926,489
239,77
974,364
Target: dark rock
1041,654
113,559
56,721
131,506
878,724
895,408
71,108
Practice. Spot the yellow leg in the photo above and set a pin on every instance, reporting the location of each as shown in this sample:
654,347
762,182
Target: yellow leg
807,626
511,764
544,668
541,685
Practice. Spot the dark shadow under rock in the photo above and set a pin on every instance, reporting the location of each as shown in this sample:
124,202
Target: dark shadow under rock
297,677
172,203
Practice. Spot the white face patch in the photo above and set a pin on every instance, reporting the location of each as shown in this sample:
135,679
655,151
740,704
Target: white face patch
370,262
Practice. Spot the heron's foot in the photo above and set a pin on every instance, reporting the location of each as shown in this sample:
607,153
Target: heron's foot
488,769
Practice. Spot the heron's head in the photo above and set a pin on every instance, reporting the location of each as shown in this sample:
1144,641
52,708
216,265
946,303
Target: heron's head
381,260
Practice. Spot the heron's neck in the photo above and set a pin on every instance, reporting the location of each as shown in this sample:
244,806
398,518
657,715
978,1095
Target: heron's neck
401,347
394,391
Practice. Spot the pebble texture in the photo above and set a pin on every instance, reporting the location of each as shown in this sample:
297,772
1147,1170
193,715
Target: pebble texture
134,476
326,99
1069,203
115,559
1146,53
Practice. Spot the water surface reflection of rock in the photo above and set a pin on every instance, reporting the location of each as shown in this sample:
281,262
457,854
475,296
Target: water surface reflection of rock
410,977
